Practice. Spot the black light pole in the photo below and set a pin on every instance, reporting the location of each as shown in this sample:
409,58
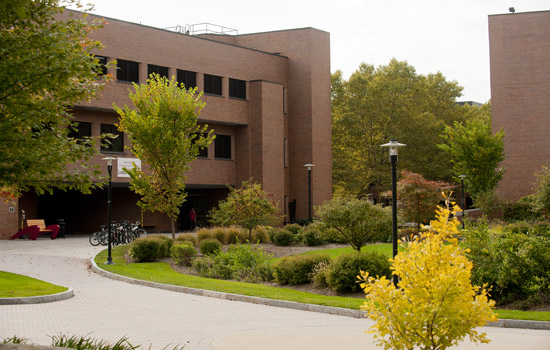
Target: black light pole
309,166
393,145
109,160
463,207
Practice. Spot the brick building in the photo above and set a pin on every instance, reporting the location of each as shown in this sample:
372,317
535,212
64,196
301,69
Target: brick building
520,95
267,99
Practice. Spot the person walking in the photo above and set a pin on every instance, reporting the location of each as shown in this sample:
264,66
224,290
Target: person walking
193,218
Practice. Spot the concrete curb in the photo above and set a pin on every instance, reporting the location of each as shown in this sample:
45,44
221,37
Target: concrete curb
502,323
38,299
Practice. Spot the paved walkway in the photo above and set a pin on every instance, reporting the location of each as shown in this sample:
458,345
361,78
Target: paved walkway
108,309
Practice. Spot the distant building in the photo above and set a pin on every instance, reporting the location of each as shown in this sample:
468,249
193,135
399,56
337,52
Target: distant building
469,103
267,98
520,95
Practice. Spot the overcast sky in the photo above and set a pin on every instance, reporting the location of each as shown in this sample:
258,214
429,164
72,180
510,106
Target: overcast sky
431,35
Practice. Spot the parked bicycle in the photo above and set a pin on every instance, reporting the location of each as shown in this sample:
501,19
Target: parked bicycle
121,233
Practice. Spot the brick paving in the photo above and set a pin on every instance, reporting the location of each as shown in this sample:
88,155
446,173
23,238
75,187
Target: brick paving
109,309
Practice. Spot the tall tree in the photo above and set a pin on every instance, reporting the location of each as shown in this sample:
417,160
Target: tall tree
475,152
248,206
389,102
46,66
165,134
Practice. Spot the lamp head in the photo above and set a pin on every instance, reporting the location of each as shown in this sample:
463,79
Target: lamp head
309,166
462,177
109,160
393,145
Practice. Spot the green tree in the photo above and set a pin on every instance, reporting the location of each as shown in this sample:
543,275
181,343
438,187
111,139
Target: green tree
46,66
248,206
434,306
389,102
165,134
418,198
357,220
475,152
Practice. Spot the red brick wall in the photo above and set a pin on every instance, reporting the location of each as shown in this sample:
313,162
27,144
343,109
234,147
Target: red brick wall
520,95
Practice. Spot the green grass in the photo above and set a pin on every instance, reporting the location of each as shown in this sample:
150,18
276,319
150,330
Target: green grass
17,286
162,273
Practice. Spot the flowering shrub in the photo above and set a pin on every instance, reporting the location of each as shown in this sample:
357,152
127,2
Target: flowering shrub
434,305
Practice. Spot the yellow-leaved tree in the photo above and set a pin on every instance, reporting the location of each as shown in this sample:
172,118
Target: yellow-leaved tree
434,306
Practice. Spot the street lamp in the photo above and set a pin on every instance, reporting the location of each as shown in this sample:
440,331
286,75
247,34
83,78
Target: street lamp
109,160
393,145
462,177
309,166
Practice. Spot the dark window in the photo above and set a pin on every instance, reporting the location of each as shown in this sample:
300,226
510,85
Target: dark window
212,84
187,78
222,145
160,70
127,71
115,144
237,88
102,68
203,152
80,131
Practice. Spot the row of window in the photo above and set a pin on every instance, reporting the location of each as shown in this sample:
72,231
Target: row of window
222,143
129,71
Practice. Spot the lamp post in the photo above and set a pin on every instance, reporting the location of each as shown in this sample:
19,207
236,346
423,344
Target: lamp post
309,166
462,177
393,145
109,160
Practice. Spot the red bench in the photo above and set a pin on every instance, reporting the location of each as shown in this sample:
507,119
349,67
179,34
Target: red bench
37,227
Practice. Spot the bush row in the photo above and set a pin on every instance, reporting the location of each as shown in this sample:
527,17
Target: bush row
512,260
340,274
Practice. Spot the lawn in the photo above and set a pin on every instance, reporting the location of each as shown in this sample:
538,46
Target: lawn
162,273
17,286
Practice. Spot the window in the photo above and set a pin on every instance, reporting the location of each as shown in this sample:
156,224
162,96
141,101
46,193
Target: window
160,70
102,68
212,84
222,145
115,144
187,78
127,71
237,88
80,131
203,152
285,152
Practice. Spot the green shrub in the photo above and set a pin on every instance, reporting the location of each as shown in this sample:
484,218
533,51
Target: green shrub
514,263
282,237
523,210
166,244
312,237
186,237
210,246
183,254
343,273
221,234
145,249
330,235
212,267
243,262
294,228
295,270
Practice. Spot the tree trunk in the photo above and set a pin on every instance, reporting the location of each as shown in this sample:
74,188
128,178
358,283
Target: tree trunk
173,226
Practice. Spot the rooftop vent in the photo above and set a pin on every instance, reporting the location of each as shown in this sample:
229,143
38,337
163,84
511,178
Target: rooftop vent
203,28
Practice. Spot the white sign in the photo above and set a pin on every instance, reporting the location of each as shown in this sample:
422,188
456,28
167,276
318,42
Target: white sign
127,163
